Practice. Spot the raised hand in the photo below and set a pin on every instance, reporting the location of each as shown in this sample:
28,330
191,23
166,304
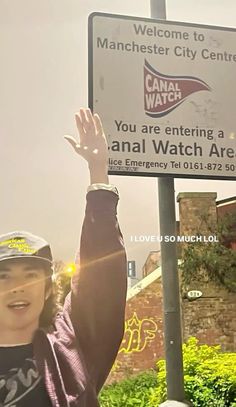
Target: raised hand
93,144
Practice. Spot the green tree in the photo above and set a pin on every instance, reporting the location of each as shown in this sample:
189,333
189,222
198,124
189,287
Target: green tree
214,261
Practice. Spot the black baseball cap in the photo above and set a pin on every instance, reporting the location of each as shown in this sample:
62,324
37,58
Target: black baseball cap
21,244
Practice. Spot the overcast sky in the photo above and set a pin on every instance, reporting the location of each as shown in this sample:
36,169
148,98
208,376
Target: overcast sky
43,81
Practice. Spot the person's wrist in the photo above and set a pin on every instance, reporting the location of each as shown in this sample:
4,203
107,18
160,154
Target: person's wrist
98,173
103,187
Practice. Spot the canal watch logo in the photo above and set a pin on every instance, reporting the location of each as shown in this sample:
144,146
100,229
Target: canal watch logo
163,93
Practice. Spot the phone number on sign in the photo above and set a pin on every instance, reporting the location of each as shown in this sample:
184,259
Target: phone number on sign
200,166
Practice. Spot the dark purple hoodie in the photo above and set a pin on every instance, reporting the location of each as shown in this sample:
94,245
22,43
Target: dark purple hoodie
76,356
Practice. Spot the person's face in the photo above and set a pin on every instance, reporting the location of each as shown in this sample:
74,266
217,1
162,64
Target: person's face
22,294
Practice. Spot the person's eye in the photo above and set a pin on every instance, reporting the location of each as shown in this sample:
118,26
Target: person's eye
32,274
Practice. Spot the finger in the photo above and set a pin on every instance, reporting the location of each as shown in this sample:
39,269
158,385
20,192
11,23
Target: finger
72,142
79,148
91,122
80,127
84,119
98,124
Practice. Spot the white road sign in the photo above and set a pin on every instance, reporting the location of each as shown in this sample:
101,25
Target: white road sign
166,92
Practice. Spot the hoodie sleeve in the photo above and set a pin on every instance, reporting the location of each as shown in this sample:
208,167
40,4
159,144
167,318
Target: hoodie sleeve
99,289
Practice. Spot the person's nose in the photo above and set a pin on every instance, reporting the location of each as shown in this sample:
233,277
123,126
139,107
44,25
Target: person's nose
18,287
17,290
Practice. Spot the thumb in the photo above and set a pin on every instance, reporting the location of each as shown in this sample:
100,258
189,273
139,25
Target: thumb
72,142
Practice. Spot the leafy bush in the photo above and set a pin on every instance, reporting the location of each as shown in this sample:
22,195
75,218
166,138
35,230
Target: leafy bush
210,377
134,391
210,381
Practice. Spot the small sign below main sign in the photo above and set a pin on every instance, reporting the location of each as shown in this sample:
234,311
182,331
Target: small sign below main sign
194,294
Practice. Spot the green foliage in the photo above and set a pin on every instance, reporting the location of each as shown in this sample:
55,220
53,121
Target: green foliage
216,261
210,381
210,377
134,391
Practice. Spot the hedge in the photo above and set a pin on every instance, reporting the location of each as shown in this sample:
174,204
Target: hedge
209,374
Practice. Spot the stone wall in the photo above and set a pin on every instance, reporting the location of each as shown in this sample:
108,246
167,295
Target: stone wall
210,318
153,261
193,207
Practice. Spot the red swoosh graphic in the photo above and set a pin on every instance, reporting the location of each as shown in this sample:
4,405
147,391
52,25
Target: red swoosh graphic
163,93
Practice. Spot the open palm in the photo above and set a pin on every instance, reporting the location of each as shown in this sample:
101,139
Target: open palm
93,144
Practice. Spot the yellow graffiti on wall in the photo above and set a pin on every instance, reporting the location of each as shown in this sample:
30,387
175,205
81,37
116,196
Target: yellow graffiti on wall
116,366
138,333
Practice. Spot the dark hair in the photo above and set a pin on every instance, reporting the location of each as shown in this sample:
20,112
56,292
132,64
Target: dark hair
53,304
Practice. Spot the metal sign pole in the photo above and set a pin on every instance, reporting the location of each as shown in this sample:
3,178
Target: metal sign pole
170,281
